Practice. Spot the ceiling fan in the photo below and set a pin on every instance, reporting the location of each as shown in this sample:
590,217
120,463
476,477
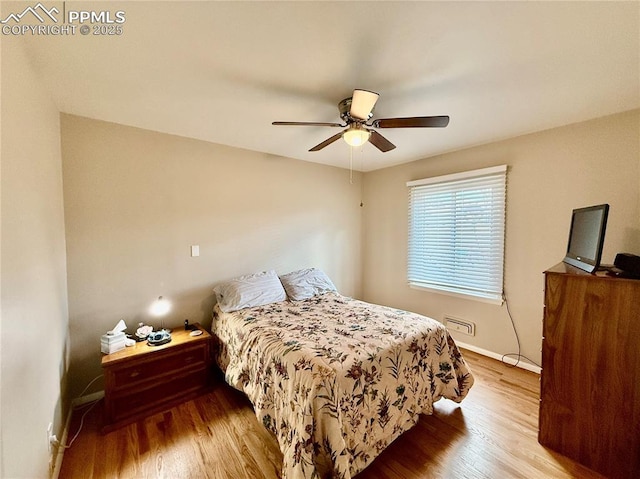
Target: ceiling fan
356,112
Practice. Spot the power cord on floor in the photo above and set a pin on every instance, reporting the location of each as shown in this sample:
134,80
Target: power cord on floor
84,414
91,405
515,331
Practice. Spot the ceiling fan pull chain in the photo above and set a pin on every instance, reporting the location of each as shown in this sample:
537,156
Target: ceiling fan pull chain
351,165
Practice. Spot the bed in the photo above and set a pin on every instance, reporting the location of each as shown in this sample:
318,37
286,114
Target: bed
334,378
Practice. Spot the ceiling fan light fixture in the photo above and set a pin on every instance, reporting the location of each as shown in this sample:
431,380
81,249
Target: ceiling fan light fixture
356,136
356,111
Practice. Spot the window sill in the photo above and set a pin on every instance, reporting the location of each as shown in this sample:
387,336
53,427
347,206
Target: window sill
481,299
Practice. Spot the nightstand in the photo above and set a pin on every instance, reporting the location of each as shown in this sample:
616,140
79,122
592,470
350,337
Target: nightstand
143,380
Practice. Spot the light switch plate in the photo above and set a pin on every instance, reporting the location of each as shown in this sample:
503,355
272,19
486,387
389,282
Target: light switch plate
195,250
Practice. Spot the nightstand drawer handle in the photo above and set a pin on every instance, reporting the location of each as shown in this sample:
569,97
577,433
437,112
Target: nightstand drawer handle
190,359
134,374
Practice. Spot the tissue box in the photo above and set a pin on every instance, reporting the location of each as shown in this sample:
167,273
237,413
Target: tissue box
112,342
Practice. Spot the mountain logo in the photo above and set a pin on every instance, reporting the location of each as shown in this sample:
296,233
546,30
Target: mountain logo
39,11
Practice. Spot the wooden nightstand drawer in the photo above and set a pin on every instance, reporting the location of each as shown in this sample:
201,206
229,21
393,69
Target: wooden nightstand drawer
167,362
127,405
143,380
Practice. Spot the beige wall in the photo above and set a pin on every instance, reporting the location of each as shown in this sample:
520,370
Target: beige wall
549,174
34,289
136,200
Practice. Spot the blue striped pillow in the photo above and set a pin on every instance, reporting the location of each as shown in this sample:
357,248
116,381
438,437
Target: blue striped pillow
306,283
249,291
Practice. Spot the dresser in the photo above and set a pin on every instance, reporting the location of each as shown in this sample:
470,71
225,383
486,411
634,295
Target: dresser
590,382
142,380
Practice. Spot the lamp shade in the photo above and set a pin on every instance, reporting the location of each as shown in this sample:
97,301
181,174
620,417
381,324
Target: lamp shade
356,136
160,307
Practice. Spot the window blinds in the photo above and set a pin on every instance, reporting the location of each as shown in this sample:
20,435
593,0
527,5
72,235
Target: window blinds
456,233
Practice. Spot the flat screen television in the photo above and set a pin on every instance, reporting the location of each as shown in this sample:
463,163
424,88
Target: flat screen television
586,237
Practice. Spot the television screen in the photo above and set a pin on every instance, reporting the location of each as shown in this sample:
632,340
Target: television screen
586,237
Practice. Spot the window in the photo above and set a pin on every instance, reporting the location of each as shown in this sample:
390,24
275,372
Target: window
456,233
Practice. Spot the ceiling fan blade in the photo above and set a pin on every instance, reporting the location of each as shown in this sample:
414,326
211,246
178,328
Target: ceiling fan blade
412,122
326,142
362,102
305,123
380,142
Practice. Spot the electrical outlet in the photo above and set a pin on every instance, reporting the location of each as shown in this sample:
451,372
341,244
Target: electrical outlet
49,433
52,439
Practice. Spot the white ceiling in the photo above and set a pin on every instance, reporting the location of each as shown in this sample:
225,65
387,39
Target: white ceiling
223,71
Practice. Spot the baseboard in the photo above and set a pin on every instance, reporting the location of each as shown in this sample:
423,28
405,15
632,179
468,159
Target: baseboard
506,359
60,452
75,404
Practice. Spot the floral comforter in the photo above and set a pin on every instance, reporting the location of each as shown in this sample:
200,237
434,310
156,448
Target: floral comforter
337,379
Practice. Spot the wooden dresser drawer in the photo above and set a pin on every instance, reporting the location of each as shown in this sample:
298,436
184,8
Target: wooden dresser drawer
130,404
166,363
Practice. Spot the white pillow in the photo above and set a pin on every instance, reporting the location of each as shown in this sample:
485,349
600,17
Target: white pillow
306,283
250,290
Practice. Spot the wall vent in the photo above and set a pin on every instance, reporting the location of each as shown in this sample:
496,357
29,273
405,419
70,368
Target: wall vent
460,325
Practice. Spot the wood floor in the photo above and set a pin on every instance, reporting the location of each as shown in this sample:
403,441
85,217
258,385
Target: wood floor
491,434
